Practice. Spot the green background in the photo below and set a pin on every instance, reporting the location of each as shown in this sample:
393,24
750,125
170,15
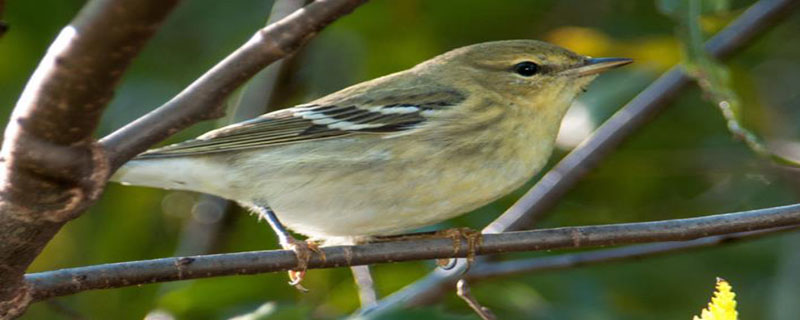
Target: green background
683,164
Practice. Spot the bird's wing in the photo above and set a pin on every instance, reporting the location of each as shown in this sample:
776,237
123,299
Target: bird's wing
385,113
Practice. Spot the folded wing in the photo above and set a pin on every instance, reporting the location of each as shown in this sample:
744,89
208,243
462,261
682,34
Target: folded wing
387,113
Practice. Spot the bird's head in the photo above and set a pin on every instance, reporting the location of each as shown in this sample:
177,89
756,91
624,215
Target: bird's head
528,72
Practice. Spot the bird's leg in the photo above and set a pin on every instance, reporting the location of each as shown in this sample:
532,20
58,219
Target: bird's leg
473,238
302,249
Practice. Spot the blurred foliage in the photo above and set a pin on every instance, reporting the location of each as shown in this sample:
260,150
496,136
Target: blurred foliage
685,163
712,76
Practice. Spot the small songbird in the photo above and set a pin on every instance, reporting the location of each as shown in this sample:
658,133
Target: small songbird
385,156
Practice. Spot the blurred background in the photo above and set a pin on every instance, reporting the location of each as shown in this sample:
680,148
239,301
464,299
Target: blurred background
684,164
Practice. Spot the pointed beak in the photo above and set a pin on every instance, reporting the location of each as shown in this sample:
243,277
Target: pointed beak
596,65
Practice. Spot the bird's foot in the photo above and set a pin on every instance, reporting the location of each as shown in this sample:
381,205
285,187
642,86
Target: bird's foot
473,239
303,250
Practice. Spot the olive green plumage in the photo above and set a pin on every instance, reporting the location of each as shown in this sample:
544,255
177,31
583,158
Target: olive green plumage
391,154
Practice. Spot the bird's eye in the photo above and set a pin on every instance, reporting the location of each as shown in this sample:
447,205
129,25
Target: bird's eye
526,68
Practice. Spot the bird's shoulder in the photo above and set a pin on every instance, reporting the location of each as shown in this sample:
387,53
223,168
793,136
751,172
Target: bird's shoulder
369,108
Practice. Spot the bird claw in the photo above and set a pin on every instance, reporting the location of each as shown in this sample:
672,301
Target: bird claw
303,251
473,238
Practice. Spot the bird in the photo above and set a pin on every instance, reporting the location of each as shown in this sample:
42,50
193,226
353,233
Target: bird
389,155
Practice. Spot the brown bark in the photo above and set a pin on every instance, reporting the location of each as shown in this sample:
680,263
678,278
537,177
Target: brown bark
69,281
52,168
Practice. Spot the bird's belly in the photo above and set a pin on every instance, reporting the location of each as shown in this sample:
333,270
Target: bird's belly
395,196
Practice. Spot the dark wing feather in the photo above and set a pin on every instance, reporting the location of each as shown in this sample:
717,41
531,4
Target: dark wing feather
390,114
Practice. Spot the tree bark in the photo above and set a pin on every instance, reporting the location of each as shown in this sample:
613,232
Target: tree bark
69,281
51,167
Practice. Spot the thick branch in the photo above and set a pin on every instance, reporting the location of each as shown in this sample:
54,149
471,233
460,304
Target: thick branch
68,281
51,166
202,100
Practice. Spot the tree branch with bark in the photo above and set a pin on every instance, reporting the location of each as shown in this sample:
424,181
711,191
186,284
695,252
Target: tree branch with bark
202,100
532,206
52,168
69,281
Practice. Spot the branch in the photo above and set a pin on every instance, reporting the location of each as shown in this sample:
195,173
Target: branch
464,292
198,236
202,100
639,111
257,94
51,166
492,270
648,103
69,281
365,285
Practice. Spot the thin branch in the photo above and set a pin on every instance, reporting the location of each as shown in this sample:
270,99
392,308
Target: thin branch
51,166
645,106
639,111
463,291
567,261
203,99
69,281
257,94
199,234
366,287
492,270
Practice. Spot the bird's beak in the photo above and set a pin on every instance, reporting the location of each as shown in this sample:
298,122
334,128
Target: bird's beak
597,65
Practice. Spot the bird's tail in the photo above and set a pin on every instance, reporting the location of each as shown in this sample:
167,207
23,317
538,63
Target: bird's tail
190,174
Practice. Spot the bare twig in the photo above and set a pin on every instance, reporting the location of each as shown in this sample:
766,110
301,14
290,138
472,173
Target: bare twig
462,290
68,281
366,287
258,92
566,261
199,234
51,166
553,185
202,100
755,21
491,270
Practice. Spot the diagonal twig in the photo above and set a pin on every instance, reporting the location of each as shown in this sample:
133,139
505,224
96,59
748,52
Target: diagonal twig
564,175
51,167
464,292
365,285
756,20
203,99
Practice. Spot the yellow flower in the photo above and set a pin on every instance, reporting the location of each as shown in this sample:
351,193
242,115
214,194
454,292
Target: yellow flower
722,305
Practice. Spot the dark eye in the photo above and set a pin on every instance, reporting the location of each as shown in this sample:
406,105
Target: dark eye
526,68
